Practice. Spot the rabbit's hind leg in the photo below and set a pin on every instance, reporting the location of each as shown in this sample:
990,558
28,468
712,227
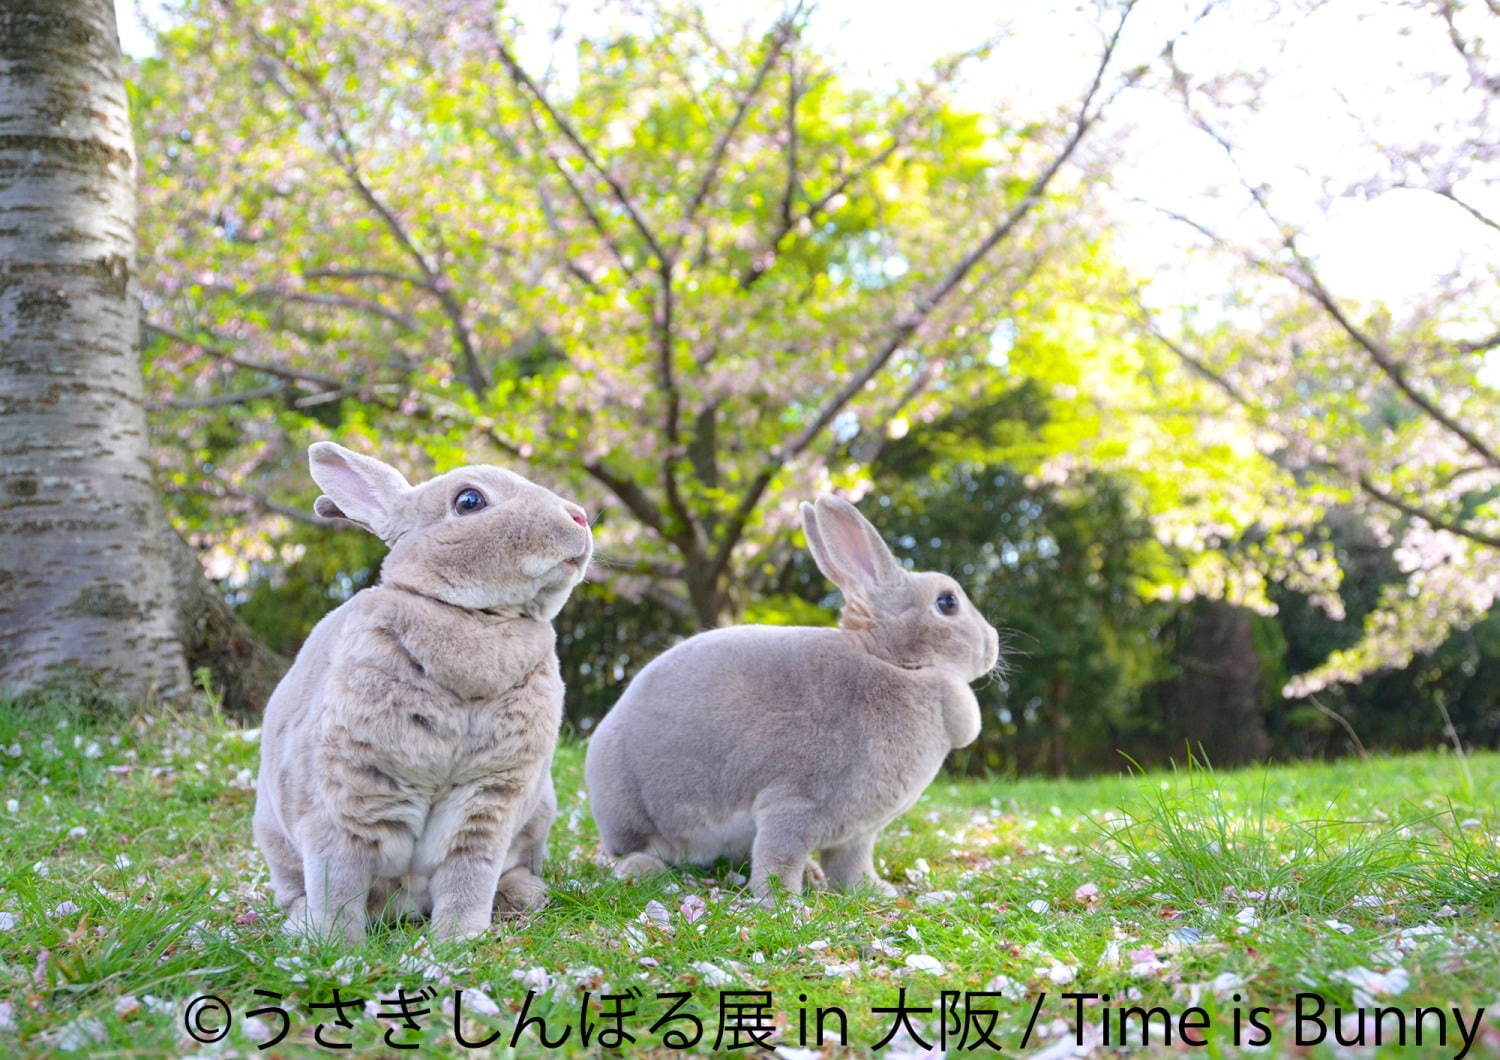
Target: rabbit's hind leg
782,846
639,863
853,865
520,891
285,864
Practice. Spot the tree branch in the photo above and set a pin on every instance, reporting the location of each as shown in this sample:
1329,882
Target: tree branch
342,151
291,375
1306,279
1084,120
1358,478
779,39
524,81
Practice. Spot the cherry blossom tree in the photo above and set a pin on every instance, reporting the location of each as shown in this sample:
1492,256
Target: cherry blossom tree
676,273
1388,406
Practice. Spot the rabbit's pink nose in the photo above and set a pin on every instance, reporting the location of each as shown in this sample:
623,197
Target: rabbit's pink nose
579,518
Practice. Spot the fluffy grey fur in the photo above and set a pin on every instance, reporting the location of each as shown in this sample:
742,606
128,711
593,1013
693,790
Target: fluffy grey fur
405,758
773,742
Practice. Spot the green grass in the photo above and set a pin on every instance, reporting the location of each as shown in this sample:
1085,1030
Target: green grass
129,885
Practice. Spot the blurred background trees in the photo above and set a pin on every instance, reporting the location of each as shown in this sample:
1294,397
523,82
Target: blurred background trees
694,270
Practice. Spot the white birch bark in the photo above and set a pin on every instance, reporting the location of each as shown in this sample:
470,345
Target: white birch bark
84,587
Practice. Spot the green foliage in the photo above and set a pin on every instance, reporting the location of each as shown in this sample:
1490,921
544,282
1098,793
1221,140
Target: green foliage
649,281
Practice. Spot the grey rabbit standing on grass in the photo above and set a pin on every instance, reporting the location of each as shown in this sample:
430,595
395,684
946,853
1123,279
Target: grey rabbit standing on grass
773,742
406,757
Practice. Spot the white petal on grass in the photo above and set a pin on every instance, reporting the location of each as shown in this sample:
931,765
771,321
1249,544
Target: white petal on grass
257,1029
936,897
712,974
1226,983
922,962
1183,937
1339,926
656,913
818,945
791,1052
7,1018
12,805
1370,985
78,1035
67,908
480,1002
1061,974
77,832
8,921
536,978
1007,988
1038,905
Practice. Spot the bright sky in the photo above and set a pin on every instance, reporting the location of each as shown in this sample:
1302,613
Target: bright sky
1389,248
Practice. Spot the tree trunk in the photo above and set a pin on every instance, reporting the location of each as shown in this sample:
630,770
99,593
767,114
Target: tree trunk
242,671
1218,695
84,575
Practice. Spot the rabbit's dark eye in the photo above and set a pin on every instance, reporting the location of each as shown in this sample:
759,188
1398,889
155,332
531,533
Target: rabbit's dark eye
468,502
947,604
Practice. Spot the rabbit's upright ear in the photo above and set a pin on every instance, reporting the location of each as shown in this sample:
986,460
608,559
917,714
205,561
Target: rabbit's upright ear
847,548
359,489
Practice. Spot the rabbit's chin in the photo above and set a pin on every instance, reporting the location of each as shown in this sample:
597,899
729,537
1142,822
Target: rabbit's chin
540,596
551,571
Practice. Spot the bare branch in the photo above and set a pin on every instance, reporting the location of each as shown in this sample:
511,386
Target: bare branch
214,401
512,148
334,301
1472,210
229,493
789,190
366,274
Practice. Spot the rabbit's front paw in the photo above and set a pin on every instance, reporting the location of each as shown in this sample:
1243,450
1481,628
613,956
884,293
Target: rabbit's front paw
469,925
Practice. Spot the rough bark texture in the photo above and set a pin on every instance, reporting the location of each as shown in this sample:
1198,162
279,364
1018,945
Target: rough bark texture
1218,696
84,582
242,670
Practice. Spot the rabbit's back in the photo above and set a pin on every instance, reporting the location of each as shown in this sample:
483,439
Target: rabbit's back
735,716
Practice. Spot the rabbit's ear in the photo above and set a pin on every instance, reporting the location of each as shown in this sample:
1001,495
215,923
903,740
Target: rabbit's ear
360,489
847,548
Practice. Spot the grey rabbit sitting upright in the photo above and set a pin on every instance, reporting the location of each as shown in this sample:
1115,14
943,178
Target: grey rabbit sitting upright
406,756
776,742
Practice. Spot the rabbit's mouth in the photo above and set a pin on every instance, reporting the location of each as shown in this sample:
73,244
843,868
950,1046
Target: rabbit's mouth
574,564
